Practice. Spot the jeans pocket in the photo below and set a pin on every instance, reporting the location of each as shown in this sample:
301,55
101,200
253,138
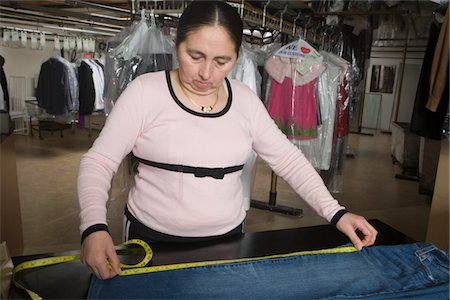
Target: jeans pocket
435,262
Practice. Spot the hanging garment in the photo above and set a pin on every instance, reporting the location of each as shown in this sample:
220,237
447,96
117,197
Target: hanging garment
2,100
4,86
424,122
52,91
280,67
98,79
354,48
246,70
334,175
298,61
439,68
340,128
87,92
319,150
143,48
292,102
294,109
419,271
71,81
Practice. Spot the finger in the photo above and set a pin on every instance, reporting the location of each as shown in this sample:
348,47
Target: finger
369,233
104,270
369,239
355,240
373,237
114,261
95,272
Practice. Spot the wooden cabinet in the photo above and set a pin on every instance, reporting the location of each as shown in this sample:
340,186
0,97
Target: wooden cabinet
11,219
438,224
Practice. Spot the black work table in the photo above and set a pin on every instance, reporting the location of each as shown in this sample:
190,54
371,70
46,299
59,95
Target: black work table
71,280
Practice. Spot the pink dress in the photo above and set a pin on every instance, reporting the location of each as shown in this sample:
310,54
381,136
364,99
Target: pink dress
292,101
294,108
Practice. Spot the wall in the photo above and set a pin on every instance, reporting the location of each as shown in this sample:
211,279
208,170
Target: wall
398,105
25,62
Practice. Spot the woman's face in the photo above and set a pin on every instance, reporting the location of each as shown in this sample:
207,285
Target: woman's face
206,56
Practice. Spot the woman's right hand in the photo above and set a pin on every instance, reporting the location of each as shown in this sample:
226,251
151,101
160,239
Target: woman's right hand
99,255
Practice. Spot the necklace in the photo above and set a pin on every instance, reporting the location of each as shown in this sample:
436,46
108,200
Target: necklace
205,109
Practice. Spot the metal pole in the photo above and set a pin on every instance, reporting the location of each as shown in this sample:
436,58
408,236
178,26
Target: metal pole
402,72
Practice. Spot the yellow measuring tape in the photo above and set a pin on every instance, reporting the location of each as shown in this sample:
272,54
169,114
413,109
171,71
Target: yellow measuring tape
48,261
228,261
140,268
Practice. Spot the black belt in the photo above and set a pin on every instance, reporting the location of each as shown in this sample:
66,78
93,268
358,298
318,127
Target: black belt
217,173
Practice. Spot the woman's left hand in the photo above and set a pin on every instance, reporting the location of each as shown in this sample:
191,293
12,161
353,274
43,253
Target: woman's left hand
349,223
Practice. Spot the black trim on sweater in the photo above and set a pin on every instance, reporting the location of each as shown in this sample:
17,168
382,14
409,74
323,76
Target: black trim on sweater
337,216
199,114
92,229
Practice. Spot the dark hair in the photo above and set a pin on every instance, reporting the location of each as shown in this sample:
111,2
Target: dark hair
209,13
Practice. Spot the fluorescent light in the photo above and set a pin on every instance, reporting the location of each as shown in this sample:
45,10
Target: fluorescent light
110,17
78,30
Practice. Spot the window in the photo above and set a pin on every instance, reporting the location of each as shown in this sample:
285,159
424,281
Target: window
382,79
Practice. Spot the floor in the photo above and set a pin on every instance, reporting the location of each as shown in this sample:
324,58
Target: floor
47,171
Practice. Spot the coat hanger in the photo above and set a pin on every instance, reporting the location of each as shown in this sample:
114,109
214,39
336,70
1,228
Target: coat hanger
281,16
294,28
264,14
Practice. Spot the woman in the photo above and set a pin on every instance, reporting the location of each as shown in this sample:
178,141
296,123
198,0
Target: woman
192,130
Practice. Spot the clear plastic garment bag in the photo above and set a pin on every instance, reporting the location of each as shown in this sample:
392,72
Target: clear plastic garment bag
308,100
144,48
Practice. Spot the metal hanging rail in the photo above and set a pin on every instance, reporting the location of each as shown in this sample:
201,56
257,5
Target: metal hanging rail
253,15
250,14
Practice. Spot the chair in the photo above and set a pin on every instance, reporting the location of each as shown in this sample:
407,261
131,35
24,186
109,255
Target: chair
41,121
17,87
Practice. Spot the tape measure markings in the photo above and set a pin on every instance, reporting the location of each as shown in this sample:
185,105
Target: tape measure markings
161,268
139,268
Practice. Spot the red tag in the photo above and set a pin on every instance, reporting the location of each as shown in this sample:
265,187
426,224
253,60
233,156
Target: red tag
305,50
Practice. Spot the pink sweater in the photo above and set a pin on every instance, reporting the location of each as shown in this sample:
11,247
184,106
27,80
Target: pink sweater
149,120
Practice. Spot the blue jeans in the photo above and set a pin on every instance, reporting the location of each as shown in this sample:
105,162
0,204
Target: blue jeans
418,270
